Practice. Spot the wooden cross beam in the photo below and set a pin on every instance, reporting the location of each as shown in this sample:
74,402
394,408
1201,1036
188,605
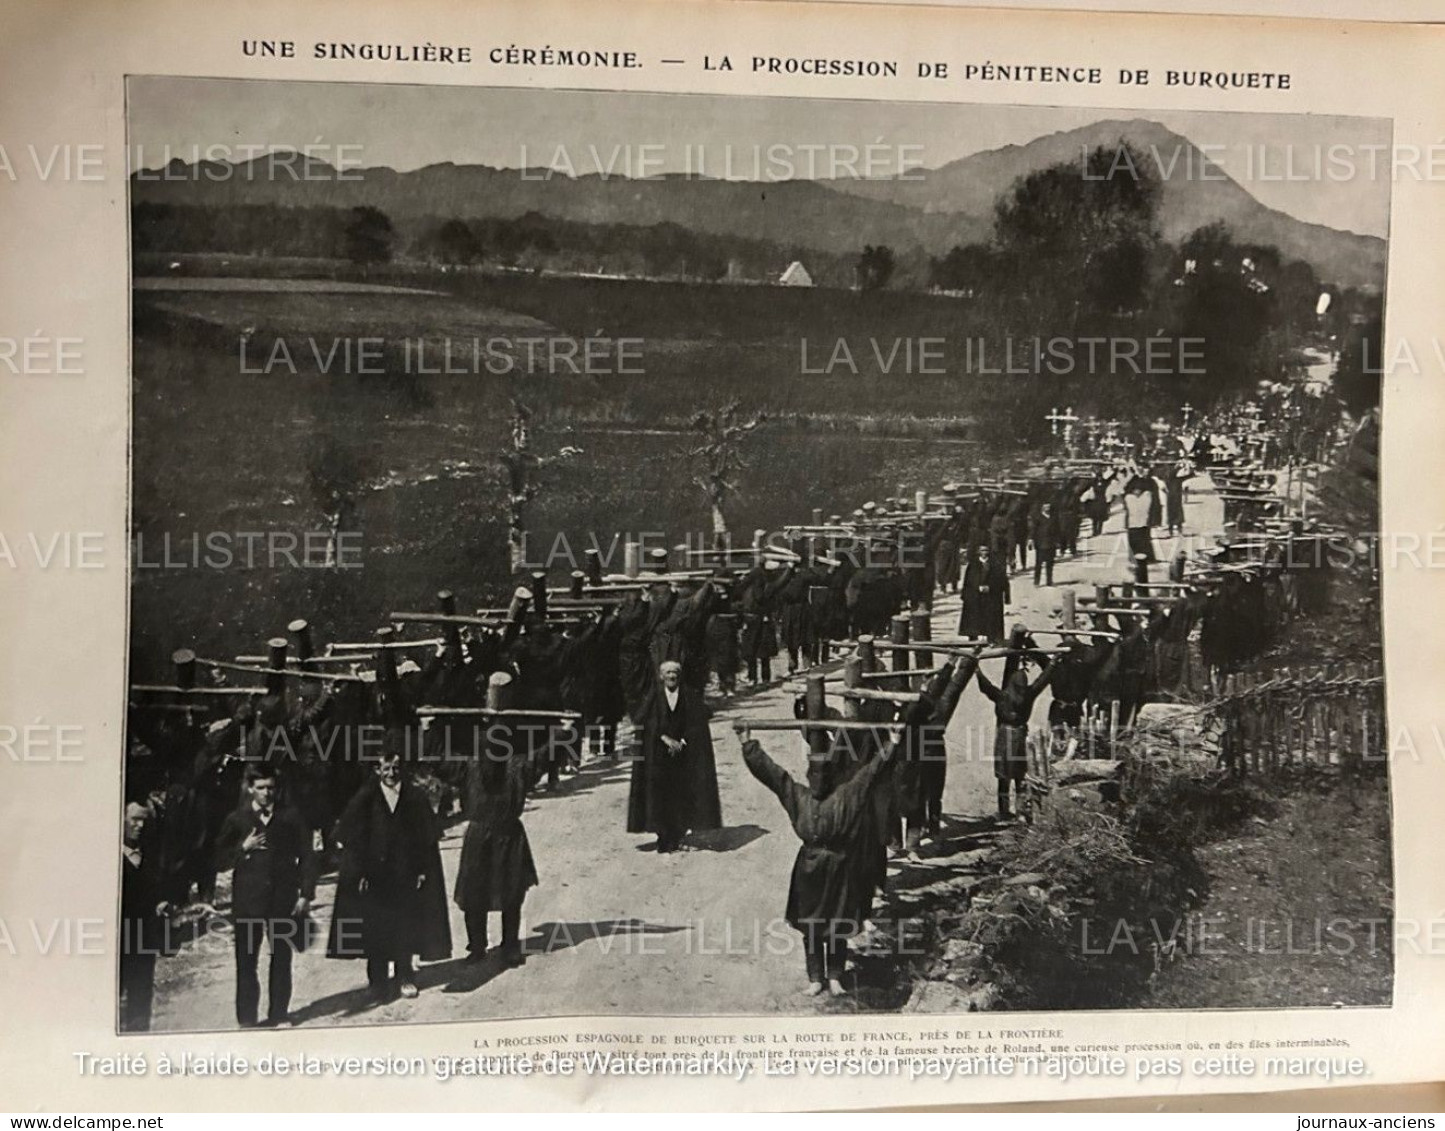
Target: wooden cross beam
289,673
740,725
881,696
945,648
351,658
495,712
357,646
169,689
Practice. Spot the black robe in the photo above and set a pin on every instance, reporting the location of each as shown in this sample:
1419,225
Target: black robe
674,792
394,918
496,867
828,885
985,592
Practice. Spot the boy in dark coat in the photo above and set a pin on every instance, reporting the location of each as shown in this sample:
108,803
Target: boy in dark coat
830,894
391,905
496,868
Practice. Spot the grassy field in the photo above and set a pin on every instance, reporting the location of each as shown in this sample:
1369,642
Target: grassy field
256,403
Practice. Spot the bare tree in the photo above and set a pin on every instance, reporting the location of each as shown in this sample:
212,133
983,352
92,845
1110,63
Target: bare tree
718,457
521,465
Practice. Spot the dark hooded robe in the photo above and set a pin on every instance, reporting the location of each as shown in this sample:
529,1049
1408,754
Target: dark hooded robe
393,919
672,793
496,867
1012,704
636,621
828,884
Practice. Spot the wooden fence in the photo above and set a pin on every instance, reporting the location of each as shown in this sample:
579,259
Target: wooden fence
1327,716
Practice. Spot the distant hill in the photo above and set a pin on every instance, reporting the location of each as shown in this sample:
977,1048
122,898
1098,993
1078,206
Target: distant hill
931,211
1196,192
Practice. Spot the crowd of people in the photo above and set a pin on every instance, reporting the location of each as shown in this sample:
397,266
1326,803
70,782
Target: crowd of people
357,774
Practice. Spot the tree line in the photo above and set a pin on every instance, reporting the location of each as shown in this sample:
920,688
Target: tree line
367,236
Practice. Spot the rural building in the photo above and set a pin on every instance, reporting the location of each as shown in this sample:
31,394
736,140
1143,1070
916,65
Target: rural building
796,276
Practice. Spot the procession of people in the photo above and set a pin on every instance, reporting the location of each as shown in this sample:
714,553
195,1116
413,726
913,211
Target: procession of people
356,773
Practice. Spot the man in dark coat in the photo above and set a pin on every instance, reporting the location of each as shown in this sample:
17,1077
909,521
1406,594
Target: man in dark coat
792,608
1045,533
1067,508
674,782
1098,505
1000,533
758,640
144,921
947,554
496,868
721,632
268,850
985,592
1019,519
391,905
1174,478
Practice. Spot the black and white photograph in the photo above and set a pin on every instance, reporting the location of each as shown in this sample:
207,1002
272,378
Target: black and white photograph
614,554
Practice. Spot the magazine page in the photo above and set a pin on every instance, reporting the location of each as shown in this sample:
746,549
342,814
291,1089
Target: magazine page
716,556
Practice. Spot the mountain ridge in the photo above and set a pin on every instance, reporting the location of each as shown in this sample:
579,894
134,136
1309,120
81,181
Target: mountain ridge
929,210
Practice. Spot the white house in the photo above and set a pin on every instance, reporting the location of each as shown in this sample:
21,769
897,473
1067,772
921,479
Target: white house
796,276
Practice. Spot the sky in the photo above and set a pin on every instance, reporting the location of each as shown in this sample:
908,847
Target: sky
1278,157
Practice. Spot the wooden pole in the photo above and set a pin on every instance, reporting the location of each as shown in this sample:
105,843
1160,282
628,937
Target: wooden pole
167,689
815,707
868,654
499,691
898,634
880,696
301,633
808,724
184,661
1070,616
354,646
385,657
631,559
276,676
906,672
852,677
920,630
451,632
490,712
